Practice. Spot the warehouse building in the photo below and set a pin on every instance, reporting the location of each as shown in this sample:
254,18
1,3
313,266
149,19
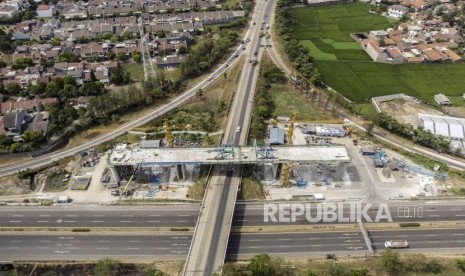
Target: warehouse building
277,136
442,125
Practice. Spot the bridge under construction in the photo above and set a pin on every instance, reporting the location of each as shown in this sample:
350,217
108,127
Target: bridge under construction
331,155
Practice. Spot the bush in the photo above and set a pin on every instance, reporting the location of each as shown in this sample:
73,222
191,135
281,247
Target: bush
391,261
461,265
106,267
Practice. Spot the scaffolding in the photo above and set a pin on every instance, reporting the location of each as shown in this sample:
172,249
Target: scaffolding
263,152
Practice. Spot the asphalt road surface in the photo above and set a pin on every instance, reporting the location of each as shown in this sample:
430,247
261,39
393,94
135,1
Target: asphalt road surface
186,215
241,246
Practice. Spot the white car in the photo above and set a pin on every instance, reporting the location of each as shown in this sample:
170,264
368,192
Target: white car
247,40
238,129
209,78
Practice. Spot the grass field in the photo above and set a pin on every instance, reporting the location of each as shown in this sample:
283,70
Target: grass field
346,67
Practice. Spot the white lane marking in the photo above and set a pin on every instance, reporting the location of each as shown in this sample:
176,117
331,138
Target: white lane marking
284,239
183,215
255,240
457,209
129,216
183,221
179,244
103,241
16,241
352,240
17,216
154,215
97,221
125,221
240,220
179,252
132,248
60,252
44,216
15,221
42,221
69,221
433,216
71,216
133,241
102,248
285,246
458,234
430,235
154,221
255,247
460,215
66,238
99,216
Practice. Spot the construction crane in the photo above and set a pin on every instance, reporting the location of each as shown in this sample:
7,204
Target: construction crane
290,131
287,167
168,134
127,191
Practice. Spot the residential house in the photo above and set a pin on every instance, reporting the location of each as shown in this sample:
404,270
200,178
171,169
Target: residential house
40,123
13,123
8,8
169,62
18,35
442,99
45,11
397,11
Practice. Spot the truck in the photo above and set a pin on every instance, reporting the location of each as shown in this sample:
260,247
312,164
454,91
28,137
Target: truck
396,244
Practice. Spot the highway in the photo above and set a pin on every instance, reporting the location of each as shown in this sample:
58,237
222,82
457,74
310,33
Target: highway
241,246
250,214
209,244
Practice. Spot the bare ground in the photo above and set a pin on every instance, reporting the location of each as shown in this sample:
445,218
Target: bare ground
12,185
406,112
457,111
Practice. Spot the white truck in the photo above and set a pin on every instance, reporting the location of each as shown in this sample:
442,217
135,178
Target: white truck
396,244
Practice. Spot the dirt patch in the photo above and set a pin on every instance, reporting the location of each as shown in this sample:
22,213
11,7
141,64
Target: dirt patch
12,185
406,112
457,111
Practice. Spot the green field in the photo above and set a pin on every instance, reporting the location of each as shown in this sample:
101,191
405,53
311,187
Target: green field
346,67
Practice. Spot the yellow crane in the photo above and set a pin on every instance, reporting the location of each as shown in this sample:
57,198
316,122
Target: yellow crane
168,134
287,168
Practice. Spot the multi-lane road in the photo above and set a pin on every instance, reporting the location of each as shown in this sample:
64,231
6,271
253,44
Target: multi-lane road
241,246
186,215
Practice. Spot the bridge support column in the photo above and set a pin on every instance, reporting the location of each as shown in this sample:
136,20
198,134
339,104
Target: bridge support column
115,174
341,168
181,172
275,170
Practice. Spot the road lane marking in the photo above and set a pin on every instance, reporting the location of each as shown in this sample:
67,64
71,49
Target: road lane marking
97,221
16,241
154,215
44,216
99,216
183,221
17,216
103,241
154,221
102,248
458,234
183,215
460,215
133,241
127,215
125,221
15,221
69,221
255,247
255,240
42,221
132,248
457,209
71,216
284,239
430,235
285,246
433,216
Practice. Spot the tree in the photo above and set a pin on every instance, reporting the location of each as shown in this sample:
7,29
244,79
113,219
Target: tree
122,56
262,265
119,76
391,261
153,272
137,57
69,80
106,267
461,265
34,138
13,88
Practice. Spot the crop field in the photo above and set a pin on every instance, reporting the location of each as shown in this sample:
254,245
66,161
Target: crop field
346,67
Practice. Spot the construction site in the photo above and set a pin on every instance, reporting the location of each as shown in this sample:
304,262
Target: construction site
296,160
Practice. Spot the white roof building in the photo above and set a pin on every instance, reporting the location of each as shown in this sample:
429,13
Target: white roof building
450,127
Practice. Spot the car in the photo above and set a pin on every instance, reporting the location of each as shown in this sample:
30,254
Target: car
242,42
115,193
254,23
247,40
243,48
236,55
209,78
238,129
250,61
256,53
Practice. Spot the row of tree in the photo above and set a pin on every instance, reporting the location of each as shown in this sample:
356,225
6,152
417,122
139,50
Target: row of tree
297,53
419,135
